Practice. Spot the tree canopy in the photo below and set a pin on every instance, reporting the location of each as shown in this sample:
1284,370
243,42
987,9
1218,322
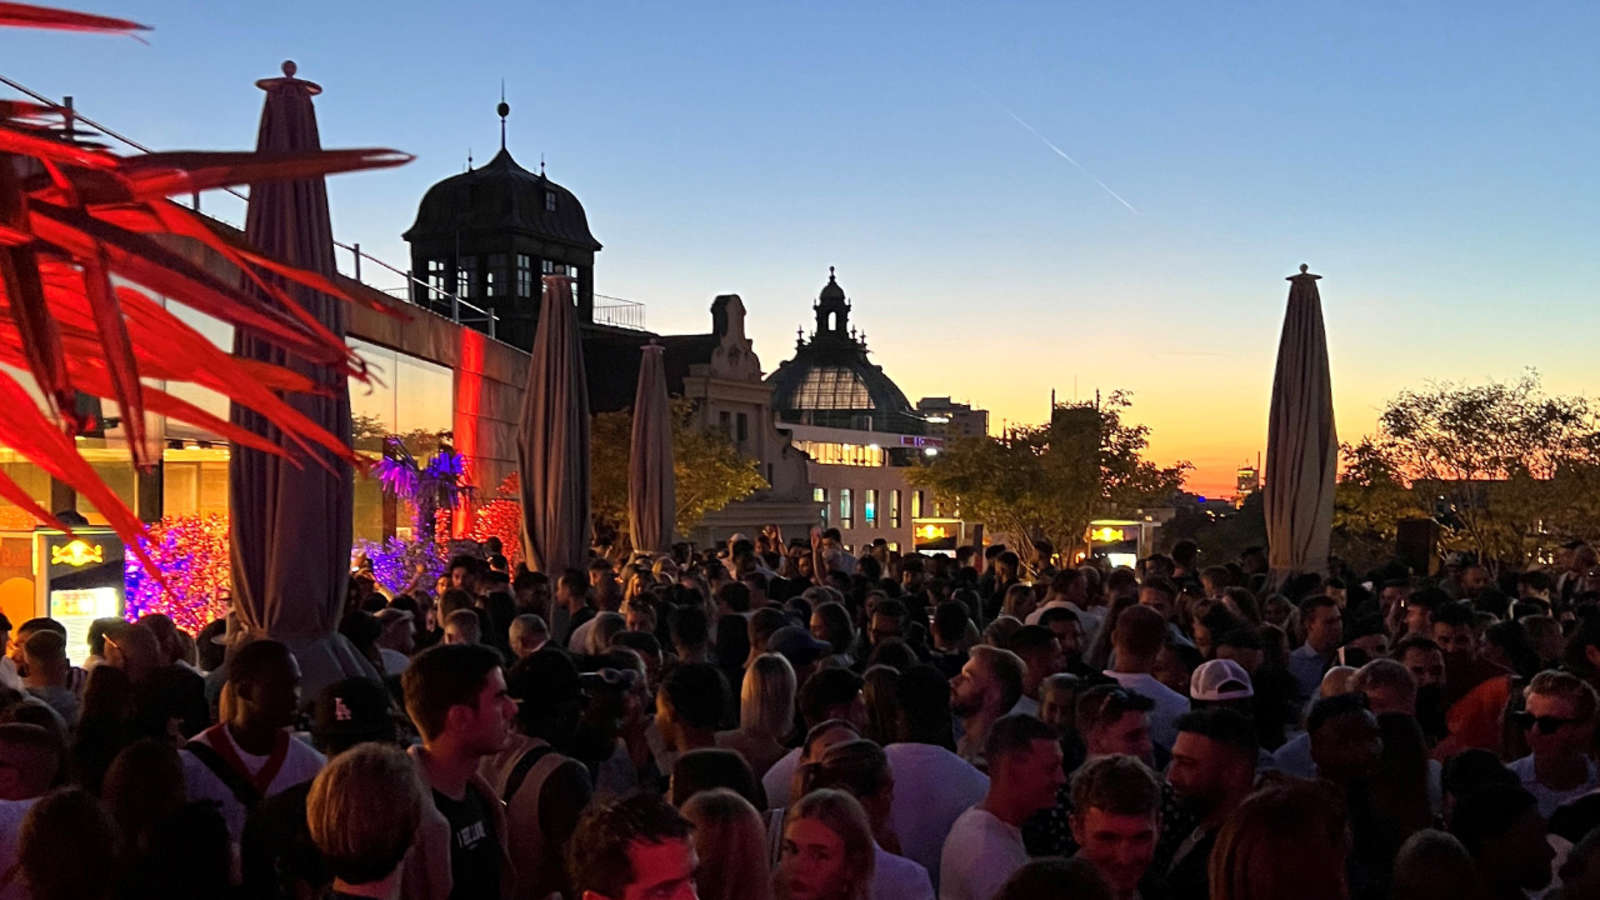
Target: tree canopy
1509,471
711,473
1048,482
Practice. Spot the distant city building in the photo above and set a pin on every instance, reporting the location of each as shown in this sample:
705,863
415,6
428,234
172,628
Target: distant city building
951,420
861,434
1247,482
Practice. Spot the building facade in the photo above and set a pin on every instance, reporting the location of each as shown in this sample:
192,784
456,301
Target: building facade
951,420
861,436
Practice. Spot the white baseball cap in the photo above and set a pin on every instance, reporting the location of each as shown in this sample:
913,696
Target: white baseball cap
1220,679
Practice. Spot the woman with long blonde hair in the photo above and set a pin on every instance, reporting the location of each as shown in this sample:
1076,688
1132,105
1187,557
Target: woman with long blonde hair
766,713
731,842
828,851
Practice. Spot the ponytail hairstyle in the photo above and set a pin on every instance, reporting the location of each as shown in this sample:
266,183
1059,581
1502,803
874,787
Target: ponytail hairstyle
859,768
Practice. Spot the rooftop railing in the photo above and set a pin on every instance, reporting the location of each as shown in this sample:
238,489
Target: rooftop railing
615,311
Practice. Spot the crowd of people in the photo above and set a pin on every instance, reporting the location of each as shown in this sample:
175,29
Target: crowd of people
772,720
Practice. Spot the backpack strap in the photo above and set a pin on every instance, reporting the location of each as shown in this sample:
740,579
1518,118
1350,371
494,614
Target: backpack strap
242,790
519,772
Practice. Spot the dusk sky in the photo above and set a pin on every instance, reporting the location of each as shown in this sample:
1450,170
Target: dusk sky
1435,162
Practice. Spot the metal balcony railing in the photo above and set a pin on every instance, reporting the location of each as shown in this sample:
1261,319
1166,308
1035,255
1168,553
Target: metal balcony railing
614,311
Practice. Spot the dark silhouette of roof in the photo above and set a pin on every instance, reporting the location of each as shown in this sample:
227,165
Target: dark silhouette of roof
502,197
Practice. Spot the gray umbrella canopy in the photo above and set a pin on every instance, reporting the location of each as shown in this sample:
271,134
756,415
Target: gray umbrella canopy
553,439
291,524
1302,447
652,484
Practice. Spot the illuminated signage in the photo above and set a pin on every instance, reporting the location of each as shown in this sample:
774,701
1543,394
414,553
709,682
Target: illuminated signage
917,440
1106,535
932,532
89,603
77,554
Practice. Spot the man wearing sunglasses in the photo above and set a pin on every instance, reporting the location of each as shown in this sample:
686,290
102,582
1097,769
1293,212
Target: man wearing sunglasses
1558,724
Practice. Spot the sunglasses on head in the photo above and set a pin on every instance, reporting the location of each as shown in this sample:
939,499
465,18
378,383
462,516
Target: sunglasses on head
1546,724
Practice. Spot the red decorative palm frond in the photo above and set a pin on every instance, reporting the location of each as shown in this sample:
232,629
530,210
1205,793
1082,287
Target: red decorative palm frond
26,16
84,235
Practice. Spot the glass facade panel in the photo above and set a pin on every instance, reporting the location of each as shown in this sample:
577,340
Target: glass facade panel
869,509
916,505
832,387
847,512
894,508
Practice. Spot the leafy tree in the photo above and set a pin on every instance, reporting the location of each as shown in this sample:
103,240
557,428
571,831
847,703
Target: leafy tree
1048,482
711,473
1509,471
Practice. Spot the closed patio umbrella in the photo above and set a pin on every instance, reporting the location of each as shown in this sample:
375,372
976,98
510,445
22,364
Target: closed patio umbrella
291,525
553,439
1302,447
652,502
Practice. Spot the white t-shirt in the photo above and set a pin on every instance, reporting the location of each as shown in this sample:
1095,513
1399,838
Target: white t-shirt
579,642
394,662
898,878
979,855
300,764
1550,799
779,778
932,788
11,815
1169,704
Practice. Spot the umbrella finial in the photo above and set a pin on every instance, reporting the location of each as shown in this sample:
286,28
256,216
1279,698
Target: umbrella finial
289,70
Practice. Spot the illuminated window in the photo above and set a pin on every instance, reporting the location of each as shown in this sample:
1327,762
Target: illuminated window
847,512
820,495
495,278
467,277
524,275
894,510
438,284
894,546
869,509
550,201
916,505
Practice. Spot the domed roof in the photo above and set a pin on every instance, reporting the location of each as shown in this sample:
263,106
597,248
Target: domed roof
503,196
830,382
831,292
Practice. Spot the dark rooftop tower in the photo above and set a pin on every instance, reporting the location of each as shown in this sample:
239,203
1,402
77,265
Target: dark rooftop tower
488,234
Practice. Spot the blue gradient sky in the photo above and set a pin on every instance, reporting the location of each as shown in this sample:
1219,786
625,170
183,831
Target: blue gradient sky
1434,161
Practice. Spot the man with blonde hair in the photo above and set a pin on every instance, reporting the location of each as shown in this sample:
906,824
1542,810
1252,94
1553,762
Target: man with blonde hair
987,687
363,811
1558,722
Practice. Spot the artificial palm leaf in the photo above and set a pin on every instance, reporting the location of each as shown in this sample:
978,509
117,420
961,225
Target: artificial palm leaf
86,243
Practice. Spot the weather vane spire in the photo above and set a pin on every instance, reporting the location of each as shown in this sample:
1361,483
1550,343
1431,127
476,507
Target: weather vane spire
504,109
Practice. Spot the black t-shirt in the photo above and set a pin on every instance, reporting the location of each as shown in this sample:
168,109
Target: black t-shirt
474,847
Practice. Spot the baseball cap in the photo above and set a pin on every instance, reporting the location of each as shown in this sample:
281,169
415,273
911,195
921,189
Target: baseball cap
797,645
1220,679
390,615
543,682
354,707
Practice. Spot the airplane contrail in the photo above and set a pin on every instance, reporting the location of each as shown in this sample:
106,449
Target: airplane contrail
1064,155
